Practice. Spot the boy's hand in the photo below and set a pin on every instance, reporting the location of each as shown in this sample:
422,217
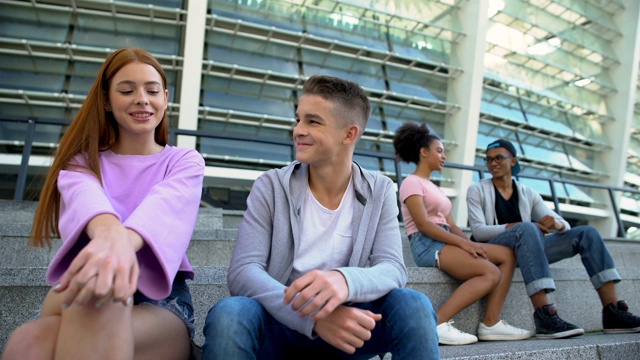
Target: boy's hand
551,223
347,328
317,292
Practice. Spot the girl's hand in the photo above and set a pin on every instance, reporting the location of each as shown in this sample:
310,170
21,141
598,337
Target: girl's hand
474,249
106,269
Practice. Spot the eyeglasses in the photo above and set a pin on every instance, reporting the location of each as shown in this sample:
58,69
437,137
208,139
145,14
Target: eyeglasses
488,160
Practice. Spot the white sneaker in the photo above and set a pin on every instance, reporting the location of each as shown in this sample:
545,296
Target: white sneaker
502,331
449,335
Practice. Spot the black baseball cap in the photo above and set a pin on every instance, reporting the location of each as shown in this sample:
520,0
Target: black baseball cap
515,170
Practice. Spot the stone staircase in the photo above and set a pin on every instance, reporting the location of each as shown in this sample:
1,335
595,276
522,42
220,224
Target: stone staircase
22,289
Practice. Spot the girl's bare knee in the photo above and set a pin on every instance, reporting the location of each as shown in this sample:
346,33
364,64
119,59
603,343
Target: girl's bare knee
33,340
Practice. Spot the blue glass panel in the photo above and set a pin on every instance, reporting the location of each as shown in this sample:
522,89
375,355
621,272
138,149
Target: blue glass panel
501,112
98,31
368,162
266,13
43,133
364,80
546,155
43,25
412,83
579,165
555,125
30,73
245,149
346,28
421,47
164,3
540,186
575,193
364,73
252,53
375,122
31,81
249,104
389,166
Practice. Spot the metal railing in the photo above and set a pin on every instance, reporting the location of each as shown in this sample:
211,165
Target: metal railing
174,132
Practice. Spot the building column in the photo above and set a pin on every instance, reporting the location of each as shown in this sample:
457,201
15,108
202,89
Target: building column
192,70
466,91
621,104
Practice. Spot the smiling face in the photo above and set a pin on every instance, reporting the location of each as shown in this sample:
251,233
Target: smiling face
319,136
501,162
433,156
138,100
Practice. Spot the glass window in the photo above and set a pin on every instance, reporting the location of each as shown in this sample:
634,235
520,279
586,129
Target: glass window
347,23
501,112
543,187
245,96
540,153
44,134
365,73
98,31
413,83
44,25
244,103
252,53
577,194
245,150
281,14
555,125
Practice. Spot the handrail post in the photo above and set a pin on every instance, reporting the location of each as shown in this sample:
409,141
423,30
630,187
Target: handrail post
24,163
621,230
556,203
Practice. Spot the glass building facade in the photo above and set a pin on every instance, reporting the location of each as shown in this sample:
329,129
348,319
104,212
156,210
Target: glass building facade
559,78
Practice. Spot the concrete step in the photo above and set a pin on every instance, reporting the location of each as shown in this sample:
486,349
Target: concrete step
593,346
23,289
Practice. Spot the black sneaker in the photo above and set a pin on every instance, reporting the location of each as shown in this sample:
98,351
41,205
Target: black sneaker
550,326
617,319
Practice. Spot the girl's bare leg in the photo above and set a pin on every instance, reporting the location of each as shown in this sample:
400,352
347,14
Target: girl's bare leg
480,277
113,331
504,259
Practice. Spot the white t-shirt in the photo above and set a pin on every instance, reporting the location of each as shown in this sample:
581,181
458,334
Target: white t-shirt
326,240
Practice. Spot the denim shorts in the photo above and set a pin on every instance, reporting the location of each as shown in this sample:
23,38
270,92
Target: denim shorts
425,250
178,302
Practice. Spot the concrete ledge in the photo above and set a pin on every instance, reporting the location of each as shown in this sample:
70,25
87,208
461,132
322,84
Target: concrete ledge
596,346
22,291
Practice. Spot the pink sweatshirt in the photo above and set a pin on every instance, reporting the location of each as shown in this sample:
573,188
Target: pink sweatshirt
157,195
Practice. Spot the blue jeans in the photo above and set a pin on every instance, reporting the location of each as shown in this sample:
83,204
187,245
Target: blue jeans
535,251
240,328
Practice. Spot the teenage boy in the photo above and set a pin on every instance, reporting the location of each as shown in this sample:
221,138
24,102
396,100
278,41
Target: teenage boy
506,212
317,271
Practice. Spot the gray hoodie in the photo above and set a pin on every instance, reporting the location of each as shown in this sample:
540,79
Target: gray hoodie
481,204
269,236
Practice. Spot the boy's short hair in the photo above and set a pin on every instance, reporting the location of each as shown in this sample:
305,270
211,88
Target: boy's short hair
350,96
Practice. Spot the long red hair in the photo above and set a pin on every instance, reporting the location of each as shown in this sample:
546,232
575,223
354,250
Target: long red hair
92,130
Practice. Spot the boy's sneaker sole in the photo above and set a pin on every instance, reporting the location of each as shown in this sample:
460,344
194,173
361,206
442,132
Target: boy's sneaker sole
621,331
561,335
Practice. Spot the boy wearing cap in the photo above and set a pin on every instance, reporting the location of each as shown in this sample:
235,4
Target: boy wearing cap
506,212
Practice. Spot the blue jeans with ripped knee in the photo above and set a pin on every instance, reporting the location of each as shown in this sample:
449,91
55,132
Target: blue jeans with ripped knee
535,251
